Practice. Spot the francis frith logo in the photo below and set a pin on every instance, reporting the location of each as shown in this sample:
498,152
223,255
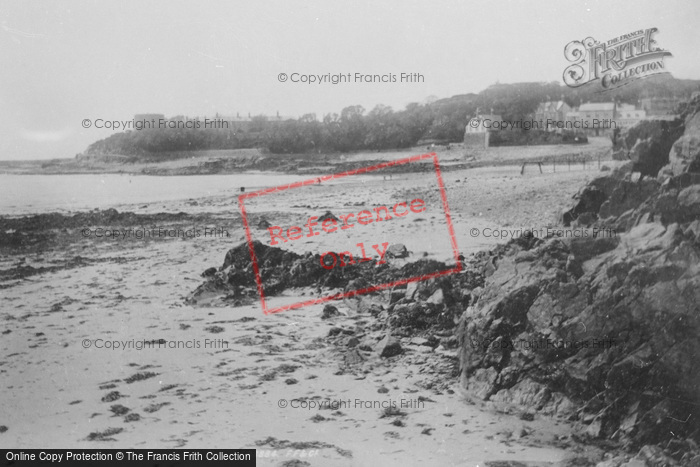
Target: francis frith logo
616,62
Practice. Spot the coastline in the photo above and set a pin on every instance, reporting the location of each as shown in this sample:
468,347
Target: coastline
253,160
135,289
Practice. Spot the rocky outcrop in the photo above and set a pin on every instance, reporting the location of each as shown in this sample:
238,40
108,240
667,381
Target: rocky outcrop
603,329
107,217
279,269
609,196
685,152
234,282
589,200
649,143
50,229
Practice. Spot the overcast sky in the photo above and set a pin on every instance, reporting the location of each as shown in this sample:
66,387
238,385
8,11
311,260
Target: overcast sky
64,61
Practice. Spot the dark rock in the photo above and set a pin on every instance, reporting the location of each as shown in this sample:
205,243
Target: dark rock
279,269
585,219
209,272
589,200
397,250
112,396
329,311
414,315
118,409
264,224
649,143
132,417
389,347
526,241
450,342
396,295
627,195
574,266
366,346
327,215
422,267
375,310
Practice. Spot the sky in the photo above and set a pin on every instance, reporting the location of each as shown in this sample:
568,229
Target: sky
65,61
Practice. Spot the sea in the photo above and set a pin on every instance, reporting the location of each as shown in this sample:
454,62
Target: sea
35,194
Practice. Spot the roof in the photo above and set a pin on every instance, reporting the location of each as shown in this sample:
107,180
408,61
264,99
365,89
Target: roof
550,106
597,106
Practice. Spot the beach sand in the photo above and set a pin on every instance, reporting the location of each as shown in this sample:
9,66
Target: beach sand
61,389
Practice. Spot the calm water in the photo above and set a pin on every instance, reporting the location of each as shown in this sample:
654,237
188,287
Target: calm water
23,194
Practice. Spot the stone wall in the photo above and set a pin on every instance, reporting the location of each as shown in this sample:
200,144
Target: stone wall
476,140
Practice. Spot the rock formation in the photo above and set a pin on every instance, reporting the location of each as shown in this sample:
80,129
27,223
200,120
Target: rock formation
604,329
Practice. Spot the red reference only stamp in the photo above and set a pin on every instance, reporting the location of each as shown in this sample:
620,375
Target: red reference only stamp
349,223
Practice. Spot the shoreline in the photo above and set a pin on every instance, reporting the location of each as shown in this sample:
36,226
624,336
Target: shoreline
136,289
230,162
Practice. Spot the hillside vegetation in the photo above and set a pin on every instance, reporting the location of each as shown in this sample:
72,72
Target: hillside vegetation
355,129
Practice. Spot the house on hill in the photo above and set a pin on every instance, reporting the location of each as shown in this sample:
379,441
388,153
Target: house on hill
627,115
598,110
552,112
479,128
595,118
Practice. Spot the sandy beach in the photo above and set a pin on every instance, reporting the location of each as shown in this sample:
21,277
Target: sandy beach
451,234
213,375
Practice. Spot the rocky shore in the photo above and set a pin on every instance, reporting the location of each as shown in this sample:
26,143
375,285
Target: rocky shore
600,329
603,330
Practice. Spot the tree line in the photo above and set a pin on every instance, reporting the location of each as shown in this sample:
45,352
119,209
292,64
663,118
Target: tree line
355,129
